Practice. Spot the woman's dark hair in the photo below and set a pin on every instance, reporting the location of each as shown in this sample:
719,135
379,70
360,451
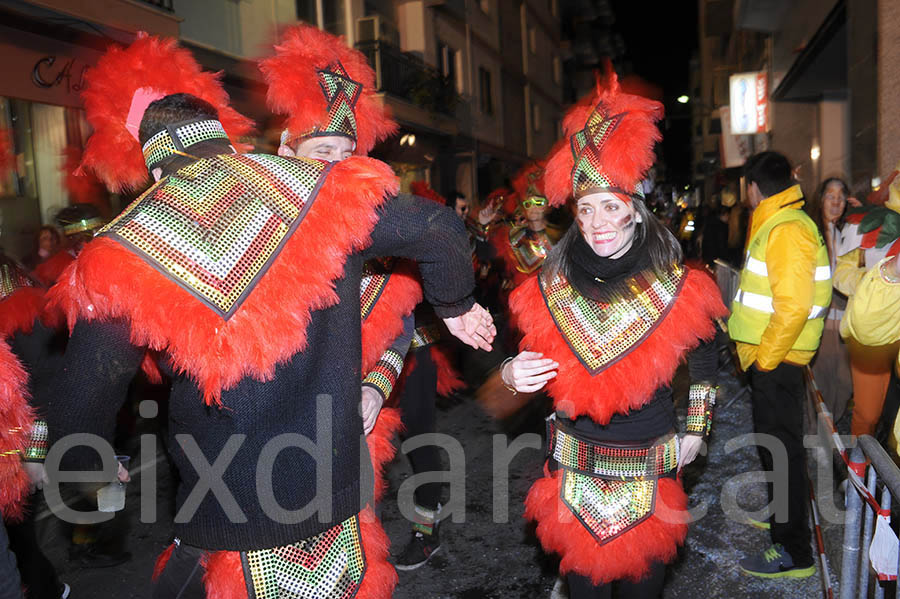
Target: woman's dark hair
816,208
657,240
770,171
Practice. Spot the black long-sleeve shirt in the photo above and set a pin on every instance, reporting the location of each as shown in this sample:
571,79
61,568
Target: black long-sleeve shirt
256,416
656,417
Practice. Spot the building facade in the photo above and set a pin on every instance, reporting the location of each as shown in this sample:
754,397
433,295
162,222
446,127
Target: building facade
832,86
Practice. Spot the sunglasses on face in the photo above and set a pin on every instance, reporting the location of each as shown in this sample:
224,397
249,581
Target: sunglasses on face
533,201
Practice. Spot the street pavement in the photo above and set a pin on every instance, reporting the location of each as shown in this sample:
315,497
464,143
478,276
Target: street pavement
486,554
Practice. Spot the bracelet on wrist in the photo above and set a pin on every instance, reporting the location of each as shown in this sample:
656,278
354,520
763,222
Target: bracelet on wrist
509,387
887,275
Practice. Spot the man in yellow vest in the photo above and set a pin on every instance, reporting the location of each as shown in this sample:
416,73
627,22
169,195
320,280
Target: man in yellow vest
776,320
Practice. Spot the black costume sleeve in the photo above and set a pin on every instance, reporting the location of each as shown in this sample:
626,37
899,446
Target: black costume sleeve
703,362
91,386
436,238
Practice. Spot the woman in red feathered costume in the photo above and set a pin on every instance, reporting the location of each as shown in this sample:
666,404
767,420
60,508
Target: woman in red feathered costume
605,325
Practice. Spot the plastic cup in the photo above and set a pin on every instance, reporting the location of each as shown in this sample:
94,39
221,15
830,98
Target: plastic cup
111,498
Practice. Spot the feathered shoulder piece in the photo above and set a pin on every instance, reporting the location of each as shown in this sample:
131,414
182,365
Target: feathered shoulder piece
424,190
610,138
155,67
324,87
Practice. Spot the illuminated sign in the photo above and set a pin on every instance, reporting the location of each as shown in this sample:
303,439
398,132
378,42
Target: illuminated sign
749,103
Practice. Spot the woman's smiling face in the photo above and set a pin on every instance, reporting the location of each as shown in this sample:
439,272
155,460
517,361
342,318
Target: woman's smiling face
607,223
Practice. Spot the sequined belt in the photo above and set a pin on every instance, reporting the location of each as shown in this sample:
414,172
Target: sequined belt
617,462
426,335
610,489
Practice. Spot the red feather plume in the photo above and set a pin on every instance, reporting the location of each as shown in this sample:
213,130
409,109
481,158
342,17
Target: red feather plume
292,76
424,190
531,173
83,188
627,153
112,153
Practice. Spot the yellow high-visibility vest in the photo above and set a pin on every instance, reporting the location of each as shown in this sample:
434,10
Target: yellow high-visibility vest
752,307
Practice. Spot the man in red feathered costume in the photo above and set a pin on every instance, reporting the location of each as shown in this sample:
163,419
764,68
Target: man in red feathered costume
522,248
243,271
306,65
605,324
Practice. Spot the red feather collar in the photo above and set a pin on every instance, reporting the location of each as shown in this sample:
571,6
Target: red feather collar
109,281
630,382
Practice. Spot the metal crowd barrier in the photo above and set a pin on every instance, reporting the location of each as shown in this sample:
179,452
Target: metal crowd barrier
860,517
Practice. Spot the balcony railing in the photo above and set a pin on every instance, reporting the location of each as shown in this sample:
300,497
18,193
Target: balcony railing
406,76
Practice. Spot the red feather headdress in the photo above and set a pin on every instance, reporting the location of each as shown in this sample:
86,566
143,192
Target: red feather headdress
611,136
424,190
323,87
112,152
529,181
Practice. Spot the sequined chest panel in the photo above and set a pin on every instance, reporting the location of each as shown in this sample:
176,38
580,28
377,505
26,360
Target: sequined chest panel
529,253
600,333
217,225
375,278
330,565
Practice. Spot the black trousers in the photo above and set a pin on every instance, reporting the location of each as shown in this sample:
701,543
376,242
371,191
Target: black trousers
778,397
649,587
418,413
182,578
38,574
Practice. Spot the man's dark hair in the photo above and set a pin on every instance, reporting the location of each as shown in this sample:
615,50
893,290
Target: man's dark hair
175,108
453,196
770,171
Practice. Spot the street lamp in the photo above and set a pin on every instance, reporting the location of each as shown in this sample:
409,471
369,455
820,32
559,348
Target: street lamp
682,99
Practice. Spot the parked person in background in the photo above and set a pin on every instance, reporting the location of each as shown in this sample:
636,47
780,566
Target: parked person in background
831,366
776,320
870,366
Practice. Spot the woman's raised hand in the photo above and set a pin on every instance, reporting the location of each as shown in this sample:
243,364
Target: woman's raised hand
528,372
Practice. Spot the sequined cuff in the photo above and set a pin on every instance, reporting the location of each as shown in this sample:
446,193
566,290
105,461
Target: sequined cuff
425,336
701,401
37,445
479,231
384,375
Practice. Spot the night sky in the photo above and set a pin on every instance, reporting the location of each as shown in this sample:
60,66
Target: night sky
660,39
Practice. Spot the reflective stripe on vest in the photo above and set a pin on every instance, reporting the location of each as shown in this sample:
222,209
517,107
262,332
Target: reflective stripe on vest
823,273
753,304
764,304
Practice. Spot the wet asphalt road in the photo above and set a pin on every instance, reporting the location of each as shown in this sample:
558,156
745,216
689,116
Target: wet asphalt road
487,556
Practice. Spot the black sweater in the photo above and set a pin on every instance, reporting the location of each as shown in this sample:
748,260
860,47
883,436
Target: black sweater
260,418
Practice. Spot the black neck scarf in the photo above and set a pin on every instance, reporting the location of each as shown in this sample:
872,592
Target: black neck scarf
595,276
